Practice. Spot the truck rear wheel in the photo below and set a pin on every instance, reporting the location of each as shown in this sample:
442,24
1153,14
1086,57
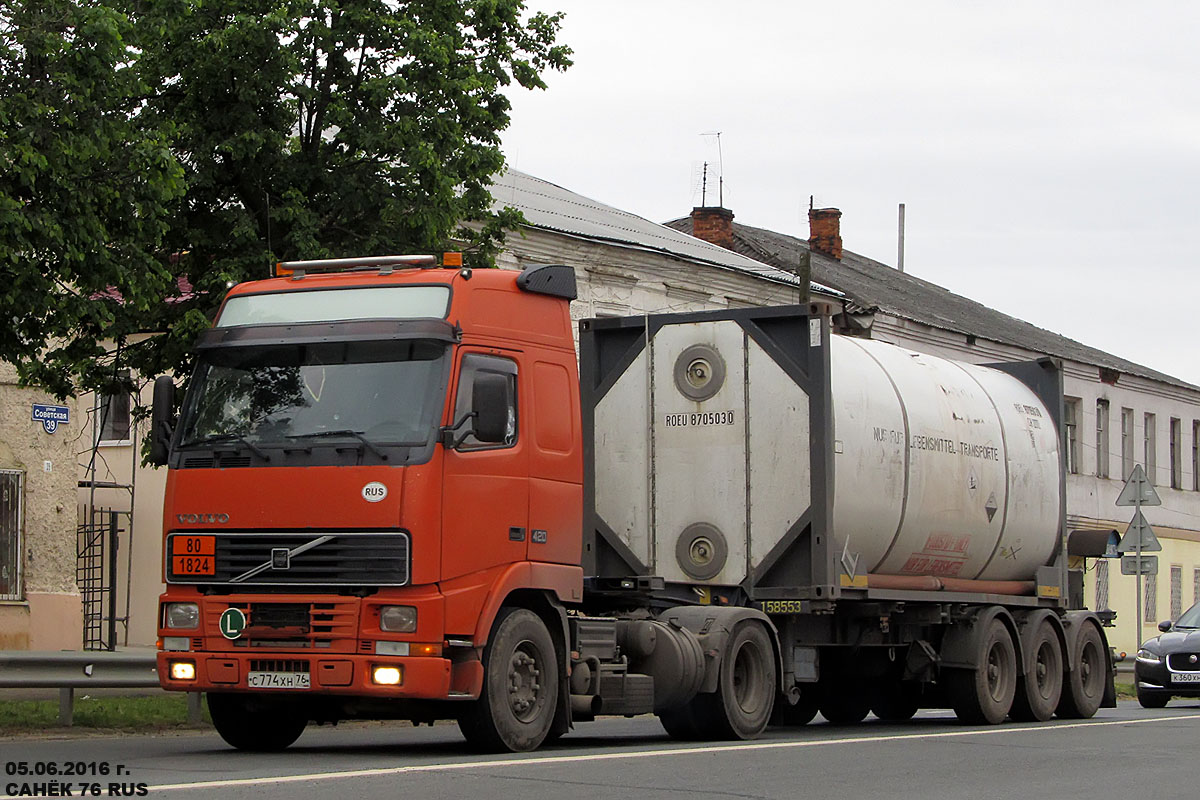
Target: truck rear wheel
984,695
520,686
798,715
256,724
745,696
1083,689
1039,693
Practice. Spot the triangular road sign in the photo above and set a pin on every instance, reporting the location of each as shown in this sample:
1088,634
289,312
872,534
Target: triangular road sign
1138,490
1139,528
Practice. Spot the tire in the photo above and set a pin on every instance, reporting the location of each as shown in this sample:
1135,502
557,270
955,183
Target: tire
1153,699
795,716
745,697
1038,695
746,687
516,707
1083,687
255,724
984,695
897,703
845,705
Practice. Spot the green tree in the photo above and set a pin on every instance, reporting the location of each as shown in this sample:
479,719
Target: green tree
303,129
85,191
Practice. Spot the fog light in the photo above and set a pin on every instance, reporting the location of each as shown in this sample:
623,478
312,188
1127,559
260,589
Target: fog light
175,643
397,619
386,676
183,671
182,615
391,648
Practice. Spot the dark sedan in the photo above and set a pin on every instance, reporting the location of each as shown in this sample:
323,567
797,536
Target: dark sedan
1169,665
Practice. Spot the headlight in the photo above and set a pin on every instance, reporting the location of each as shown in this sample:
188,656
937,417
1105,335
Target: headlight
397,619
1146,657
182,615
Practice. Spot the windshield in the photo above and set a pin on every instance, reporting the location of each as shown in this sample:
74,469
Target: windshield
377,393
1189,618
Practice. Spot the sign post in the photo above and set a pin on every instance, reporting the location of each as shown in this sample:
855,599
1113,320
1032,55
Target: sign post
1139,491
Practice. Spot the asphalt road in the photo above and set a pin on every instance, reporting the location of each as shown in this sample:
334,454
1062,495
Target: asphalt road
1118,754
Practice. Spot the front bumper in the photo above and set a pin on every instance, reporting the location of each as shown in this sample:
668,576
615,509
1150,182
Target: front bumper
1157,679
421,677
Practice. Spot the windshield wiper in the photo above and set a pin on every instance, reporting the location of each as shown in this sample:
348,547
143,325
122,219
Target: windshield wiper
226,437
345,432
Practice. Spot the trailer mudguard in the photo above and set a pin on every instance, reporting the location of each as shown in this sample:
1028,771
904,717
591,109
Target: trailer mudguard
961,642
713,626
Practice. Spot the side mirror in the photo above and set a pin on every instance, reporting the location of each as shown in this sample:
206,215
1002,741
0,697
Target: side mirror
489,399
1165,625
161,419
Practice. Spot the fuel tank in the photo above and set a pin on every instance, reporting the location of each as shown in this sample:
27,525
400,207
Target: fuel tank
729,445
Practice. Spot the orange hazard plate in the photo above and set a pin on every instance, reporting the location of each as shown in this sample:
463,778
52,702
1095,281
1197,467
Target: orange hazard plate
193,555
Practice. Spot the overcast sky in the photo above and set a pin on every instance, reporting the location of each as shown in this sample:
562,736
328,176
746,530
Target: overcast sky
1048,153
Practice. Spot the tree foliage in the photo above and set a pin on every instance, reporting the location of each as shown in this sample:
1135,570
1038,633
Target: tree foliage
225,135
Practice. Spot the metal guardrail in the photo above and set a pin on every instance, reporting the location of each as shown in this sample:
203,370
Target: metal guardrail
70,670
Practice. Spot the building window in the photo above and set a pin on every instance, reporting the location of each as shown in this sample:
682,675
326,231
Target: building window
1196,456
1101,584
1149,449
1176,453
1176,592
11,524
1071,433
1150,599
1126,443
1196,585
1101,438
112,418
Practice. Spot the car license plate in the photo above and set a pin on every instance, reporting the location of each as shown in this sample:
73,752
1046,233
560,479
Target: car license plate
277,680
1185,677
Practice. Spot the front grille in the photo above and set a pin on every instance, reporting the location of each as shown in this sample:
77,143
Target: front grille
331,626
1182,662
345,559
278,665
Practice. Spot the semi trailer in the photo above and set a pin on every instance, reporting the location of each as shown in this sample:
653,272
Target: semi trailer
395,491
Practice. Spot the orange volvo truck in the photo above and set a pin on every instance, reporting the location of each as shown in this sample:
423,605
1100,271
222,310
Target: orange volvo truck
392,495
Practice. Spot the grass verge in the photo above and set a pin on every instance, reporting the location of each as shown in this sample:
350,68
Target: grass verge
146,713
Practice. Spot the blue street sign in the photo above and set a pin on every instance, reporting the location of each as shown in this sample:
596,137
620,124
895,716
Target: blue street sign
51,416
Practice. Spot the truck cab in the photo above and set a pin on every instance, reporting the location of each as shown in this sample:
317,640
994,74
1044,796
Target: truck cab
373,454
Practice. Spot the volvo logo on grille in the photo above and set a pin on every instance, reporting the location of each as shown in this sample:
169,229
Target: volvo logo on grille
281,558
202,519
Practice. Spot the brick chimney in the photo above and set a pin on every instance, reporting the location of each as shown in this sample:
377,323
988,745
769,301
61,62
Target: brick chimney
713,224
825,232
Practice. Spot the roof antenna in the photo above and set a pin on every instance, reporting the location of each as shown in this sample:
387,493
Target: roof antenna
720,170
704,186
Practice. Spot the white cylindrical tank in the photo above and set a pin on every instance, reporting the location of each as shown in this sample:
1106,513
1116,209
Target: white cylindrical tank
940,468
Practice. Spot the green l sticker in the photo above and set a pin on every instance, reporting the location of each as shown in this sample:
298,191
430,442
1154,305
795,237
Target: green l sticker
233,622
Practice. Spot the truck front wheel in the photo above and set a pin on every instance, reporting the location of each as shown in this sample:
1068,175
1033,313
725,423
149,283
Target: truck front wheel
520,686
257,724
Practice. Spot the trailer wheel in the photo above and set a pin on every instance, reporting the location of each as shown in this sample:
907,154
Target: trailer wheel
1040,692
1083,689
798,715
898,702
845,705
255,724
520,687
984,695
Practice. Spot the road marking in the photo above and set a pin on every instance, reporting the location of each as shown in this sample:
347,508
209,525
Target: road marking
675,751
